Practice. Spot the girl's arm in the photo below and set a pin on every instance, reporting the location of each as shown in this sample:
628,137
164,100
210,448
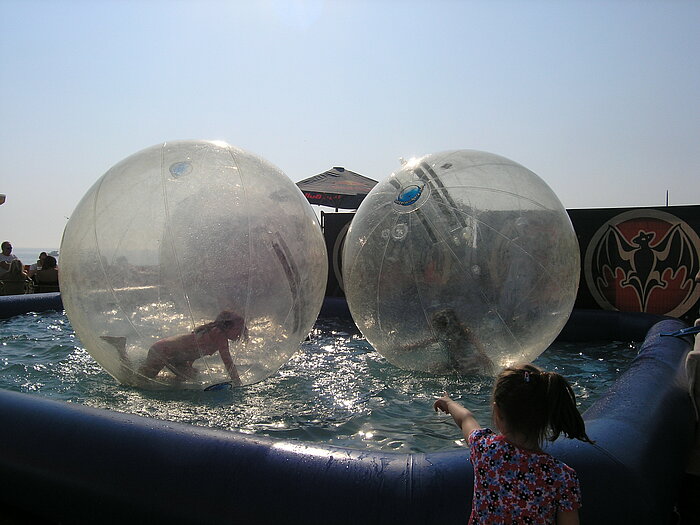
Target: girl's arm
567,517
463,417
228,363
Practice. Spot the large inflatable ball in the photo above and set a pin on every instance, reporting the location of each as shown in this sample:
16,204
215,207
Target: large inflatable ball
461,262
192,264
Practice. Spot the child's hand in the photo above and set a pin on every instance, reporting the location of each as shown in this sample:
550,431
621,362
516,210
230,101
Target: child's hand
441,403
463,417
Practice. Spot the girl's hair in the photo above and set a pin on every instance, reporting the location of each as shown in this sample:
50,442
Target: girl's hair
538,404
16,268
226,319
49,262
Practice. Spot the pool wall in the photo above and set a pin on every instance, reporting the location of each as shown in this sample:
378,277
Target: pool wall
11,305
72,463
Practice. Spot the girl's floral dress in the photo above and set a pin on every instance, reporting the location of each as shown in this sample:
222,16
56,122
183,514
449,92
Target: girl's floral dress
514,485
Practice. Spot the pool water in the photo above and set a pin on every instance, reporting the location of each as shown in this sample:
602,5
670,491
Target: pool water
336,390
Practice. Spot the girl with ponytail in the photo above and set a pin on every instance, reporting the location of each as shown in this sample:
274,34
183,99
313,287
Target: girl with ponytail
515,481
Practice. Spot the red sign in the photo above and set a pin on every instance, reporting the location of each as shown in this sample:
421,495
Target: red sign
644,260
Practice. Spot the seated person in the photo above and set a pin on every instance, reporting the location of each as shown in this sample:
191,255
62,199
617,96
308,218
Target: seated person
37,265
15,280
692,368
47,278
6,257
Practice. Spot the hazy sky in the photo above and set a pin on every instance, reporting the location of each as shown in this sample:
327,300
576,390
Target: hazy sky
599,98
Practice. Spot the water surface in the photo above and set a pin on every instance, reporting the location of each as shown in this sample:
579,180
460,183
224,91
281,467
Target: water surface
336,390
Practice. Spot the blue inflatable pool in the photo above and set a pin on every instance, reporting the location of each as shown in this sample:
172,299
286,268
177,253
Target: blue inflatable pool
11,305
68,463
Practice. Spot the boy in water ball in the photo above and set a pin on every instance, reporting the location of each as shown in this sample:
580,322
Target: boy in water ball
465,355
179,352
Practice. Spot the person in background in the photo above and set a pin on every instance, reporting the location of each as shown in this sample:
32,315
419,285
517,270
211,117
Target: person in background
15,281
37,265
688,502
46,279
697,283
515,481
6,257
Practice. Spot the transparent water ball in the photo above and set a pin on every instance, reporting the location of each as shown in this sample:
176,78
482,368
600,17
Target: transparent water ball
463,262
191,264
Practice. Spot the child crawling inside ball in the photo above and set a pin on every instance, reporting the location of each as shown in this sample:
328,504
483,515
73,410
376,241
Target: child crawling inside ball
179,352
465,355
462,350
514,480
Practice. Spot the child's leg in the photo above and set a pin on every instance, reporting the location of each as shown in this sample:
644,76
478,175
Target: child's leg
154,363
119,343
183,370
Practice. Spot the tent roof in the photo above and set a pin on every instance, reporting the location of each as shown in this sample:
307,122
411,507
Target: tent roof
337,188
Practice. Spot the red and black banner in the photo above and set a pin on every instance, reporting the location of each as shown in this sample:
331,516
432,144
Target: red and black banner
639,259
632,259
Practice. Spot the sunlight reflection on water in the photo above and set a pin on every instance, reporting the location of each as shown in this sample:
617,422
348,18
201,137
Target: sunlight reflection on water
336,390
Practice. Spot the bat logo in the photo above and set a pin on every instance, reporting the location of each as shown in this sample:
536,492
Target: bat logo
644,261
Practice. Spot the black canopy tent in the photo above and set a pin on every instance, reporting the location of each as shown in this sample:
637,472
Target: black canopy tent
337,188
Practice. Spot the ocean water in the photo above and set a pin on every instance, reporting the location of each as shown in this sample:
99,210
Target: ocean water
30,255
336,390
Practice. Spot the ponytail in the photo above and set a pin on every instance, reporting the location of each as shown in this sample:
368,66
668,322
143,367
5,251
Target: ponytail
538,404
562,414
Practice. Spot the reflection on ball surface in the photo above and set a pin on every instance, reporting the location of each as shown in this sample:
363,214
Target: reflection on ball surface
202,248
461,262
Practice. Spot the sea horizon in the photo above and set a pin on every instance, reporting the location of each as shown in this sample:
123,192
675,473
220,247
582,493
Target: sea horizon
30,255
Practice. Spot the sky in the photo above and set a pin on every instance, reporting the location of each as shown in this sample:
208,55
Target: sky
600,98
